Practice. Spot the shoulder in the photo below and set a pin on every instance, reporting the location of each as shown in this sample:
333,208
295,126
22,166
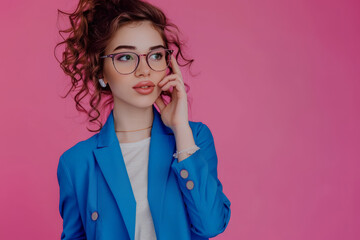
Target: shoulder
79,154
200,129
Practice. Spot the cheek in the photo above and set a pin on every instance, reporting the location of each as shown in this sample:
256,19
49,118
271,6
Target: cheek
109,71
161,75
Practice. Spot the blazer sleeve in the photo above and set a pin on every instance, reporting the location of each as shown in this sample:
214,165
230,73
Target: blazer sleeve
207,205
68,205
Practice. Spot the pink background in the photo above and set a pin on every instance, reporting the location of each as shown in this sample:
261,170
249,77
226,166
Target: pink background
278,86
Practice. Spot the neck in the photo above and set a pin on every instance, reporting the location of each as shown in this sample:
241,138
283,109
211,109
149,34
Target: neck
130,118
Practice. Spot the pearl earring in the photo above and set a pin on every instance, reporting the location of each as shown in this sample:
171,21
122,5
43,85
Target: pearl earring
102,83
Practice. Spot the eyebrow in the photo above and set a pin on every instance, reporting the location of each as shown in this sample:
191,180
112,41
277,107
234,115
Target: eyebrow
134,48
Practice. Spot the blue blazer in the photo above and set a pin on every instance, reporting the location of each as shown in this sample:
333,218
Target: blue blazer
96,198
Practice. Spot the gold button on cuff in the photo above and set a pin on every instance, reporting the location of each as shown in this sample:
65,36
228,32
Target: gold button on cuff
184,173
189,184
94,216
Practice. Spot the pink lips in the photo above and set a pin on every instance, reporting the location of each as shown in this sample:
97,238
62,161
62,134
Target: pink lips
144,91
144,83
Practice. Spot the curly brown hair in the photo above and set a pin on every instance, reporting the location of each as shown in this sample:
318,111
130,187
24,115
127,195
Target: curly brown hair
92,25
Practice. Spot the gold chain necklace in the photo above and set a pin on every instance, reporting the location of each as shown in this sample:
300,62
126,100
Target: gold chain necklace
134,130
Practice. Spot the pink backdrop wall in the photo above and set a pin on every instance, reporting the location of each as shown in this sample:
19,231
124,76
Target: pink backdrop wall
278,86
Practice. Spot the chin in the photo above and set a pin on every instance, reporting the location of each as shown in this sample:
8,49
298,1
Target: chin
144,103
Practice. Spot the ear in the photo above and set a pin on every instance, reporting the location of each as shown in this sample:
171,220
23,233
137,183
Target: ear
103,78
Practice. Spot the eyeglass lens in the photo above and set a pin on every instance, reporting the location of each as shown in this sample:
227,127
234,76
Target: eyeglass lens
126,62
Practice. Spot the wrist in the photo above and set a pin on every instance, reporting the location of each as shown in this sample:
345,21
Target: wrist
181,129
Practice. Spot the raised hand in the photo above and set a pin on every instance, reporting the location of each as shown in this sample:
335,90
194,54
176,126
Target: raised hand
175,114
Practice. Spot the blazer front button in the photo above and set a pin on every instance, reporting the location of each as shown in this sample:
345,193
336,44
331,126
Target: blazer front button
189,184
94,216
184,173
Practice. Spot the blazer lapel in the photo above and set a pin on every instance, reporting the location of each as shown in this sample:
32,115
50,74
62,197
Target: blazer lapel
110,159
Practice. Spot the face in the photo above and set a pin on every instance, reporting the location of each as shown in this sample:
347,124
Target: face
139,37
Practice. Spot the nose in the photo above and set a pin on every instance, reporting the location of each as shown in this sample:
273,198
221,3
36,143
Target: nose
143,68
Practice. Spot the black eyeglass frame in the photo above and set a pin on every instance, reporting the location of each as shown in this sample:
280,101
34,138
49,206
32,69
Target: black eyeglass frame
112,56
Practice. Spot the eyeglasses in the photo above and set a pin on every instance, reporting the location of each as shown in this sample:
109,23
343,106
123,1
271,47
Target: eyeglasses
127,62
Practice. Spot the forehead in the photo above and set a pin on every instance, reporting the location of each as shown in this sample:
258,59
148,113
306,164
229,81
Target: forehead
141,35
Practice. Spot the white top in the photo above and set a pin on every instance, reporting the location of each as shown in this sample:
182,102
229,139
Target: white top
136,157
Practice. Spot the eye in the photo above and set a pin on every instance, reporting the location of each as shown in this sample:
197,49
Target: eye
124,57
158,55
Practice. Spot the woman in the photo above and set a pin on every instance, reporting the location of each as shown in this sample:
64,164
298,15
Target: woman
145,175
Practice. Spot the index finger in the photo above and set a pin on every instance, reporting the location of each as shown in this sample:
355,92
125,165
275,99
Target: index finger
175,66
